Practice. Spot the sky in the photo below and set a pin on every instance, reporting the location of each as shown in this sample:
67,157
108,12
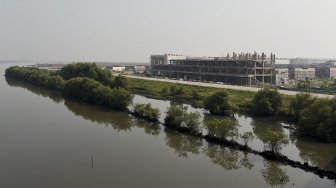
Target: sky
132,30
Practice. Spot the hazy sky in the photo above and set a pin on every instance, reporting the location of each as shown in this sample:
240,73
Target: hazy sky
131,30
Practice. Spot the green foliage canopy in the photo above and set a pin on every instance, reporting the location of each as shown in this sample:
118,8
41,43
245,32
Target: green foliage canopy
218,103
177,116
275,140
146,111
222,128
90,90
267,102
89,70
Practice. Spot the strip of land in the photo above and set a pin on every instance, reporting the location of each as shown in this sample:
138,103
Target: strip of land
222,86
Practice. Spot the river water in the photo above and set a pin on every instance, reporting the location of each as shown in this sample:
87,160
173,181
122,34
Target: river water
48,140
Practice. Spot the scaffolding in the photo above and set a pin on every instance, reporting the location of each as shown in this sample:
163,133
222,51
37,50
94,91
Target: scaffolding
243,69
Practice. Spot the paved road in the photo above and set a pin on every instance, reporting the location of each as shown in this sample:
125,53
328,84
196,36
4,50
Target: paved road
242,88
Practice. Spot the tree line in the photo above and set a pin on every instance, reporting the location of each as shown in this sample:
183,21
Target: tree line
86,82
315,117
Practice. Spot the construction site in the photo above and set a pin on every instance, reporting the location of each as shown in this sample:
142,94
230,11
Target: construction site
239,69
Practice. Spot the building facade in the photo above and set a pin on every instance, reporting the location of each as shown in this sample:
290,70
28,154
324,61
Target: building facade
326,72
301,73
243,69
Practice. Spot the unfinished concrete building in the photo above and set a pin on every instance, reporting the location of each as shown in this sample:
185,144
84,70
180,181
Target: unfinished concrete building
238,69
326,70
303,73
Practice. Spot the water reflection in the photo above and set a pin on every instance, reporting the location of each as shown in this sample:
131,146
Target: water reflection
53,95
274,174
182,144
152,128
245,161
119,121
260,125
225,157
323,155
228,158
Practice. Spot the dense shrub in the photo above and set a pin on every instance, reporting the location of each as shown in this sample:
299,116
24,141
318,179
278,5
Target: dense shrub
176,90
146,111
301,102
222,128
218,103
36,76
178,117
266,102
90,90
119,82
319,120
275,140
89,70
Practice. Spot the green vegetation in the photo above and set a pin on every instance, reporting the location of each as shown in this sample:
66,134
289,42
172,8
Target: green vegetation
267,102
218,103
89,70
275,140
146,111
92,91
194,95
222,128
119,82
36,76
84,88
247,136
300,102
178,117
315,117
319,120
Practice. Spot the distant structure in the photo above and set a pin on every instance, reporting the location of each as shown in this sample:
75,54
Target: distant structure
238,69
306,61
281,76
326,70
304,73
118,68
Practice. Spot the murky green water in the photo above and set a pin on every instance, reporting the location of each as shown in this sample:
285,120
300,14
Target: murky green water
50,141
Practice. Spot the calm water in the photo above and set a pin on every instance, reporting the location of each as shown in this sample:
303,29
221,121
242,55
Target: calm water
50,141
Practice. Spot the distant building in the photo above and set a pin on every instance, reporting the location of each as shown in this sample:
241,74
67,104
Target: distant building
238,69
139,69
118,68
326,72
301,73
165,59
306,61
281,76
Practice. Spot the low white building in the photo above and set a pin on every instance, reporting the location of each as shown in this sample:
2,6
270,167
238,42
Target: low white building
118,68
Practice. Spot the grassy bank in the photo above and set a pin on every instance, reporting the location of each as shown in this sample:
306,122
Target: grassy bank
195,95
